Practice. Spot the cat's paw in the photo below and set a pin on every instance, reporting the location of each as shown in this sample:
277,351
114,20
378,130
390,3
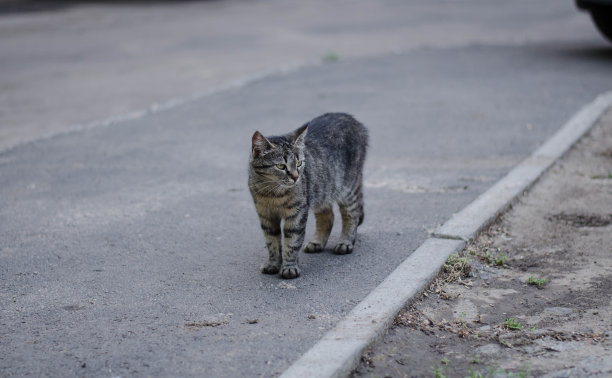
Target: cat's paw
290,272
343,248
270,268
312,247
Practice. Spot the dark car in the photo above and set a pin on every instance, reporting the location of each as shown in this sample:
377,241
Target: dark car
601,13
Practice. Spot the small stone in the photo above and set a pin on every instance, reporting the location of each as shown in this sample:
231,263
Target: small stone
286,285
558,346
538,332
559,310
311,317
586,331
488,349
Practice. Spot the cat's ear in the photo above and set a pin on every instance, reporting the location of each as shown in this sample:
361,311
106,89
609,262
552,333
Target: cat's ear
260,144
299,135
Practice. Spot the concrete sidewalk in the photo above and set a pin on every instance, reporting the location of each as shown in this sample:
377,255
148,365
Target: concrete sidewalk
530,296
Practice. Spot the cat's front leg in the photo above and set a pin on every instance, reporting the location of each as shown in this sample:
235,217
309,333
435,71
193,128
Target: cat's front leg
272,234
294,230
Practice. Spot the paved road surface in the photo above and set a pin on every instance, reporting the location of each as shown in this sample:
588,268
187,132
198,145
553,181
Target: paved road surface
123,245
88,60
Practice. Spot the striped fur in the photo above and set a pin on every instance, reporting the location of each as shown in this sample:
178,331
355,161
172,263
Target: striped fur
313,167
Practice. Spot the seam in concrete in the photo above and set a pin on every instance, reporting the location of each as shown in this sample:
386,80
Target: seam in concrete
340,349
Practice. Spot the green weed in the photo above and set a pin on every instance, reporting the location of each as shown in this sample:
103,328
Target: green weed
441,372
513,324
602,177
438,373
539,282
330,57
495,372
497,259
457,266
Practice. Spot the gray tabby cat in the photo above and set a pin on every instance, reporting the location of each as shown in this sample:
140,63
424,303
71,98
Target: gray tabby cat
312,167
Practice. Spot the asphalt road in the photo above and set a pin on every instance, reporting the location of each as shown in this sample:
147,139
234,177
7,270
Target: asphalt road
80,61
133,249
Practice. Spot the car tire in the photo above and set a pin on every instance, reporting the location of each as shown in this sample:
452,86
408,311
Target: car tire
603,20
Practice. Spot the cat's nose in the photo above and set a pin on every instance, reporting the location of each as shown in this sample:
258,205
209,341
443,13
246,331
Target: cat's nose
294,176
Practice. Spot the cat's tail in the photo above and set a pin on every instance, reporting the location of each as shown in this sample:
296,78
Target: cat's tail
361,215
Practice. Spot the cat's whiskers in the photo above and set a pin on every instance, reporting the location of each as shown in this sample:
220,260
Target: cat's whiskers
267,187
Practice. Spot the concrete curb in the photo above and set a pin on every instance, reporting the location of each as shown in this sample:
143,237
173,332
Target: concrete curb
338,352
466,224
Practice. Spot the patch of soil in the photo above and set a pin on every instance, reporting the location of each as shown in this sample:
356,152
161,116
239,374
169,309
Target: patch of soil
606,154
583,220
529,297
204,324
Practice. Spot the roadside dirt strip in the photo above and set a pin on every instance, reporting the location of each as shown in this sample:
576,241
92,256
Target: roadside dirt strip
530,296
338,352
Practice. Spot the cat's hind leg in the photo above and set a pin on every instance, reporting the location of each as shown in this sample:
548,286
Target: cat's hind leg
351,211
325,221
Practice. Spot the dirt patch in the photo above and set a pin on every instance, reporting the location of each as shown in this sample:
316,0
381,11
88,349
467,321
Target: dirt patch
529,297
204,324
605,154
583,220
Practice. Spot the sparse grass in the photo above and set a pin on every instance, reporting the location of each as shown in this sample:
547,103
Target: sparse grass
438,372
510,374
513,324
490,256
498,259
535,281
493,371
454,258
461,320
602,177
330,57
457,267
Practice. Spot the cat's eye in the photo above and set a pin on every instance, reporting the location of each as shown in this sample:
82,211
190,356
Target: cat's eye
281,166
299,163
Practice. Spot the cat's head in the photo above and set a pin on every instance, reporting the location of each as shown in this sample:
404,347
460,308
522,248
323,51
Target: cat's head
279,160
